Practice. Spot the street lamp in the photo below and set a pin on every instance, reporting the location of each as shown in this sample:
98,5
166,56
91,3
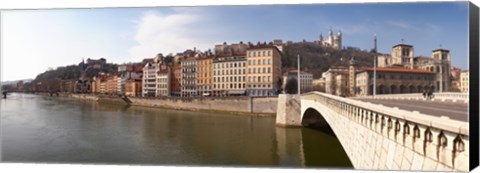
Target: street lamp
298,74
375,66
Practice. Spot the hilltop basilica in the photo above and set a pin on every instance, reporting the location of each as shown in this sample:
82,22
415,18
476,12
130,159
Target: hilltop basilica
334,41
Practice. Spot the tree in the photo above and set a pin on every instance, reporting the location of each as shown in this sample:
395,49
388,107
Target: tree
291,87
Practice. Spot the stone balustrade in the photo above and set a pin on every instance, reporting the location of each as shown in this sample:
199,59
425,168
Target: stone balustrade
426,142
443,96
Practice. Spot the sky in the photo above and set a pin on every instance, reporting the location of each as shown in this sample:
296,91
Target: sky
32,41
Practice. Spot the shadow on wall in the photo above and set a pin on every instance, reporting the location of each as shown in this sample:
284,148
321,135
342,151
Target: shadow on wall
324,148
313,119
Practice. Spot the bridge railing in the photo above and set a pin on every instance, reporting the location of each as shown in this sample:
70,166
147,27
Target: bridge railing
443,96
438,138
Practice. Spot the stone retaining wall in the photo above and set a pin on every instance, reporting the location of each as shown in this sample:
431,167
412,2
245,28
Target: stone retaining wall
262,106
265,106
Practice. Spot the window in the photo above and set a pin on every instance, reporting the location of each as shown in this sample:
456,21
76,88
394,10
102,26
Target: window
259,70
243,79
254,54
263,80
269,53
269,79
269,61
249,78
254,70
253,62
264,70
263,53
249,70
243,71
258,61
264,62
269,70
259,79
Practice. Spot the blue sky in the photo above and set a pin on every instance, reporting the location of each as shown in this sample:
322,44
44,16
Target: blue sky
52,38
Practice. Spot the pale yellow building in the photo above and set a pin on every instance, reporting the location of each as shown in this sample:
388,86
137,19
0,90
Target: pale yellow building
330,76
341,84
163,79
264,71
464,81
229,75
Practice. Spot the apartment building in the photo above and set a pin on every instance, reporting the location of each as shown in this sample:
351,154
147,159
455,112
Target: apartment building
229,75
263,70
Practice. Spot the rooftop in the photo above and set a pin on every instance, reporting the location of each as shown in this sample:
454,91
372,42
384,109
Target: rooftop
398,70
440,49
405,45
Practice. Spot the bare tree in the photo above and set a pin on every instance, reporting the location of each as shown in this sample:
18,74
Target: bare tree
291,87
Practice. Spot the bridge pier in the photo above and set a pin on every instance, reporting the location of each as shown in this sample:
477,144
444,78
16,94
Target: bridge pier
288,111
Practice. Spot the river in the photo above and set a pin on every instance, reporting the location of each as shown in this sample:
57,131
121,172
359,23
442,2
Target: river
45,129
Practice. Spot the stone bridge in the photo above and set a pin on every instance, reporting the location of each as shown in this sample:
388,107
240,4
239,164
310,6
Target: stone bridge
379,137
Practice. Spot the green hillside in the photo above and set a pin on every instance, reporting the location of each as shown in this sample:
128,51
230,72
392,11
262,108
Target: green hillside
317,59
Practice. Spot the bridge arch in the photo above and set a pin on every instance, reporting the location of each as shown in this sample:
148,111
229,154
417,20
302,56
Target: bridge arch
311,118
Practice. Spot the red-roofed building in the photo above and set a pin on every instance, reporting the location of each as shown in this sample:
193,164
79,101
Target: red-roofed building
394,81
438,62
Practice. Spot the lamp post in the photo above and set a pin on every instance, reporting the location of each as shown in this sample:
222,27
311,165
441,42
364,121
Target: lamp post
298,74
375,66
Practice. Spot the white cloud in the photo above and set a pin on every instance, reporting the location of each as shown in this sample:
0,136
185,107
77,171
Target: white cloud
172,33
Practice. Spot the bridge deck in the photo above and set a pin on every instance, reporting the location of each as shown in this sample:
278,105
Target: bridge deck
457,111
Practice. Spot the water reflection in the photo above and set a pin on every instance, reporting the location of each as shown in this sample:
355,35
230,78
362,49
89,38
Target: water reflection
63,130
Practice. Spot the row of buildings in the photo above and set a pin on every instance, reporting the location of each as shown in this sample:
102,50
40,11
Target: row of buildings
236,69
399,72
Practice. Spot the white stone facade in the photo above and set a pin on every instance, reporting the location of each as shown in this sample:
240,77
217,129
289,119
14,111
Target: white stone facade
378,137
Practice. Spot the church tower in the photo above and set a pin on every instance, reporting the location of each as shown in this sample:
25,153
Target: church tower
337,43
443,80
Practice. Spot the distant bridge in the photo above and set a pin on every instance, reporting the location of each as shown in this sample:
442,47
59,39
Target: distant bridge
381,137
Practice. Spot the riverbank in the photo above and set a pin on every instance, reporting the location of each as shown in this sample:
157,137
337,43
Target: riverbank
253,106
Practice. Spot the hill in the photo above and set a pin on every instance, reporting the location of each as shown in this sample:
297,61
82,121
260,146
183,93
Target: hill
317,59
73,72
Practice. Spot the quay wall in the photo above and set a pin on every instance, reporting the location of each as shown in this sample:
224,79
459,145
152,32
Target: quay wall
262,106
259,106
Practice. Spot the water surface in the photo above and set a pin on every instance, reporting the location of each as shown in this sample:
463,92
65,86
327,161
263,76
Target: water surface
45,129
